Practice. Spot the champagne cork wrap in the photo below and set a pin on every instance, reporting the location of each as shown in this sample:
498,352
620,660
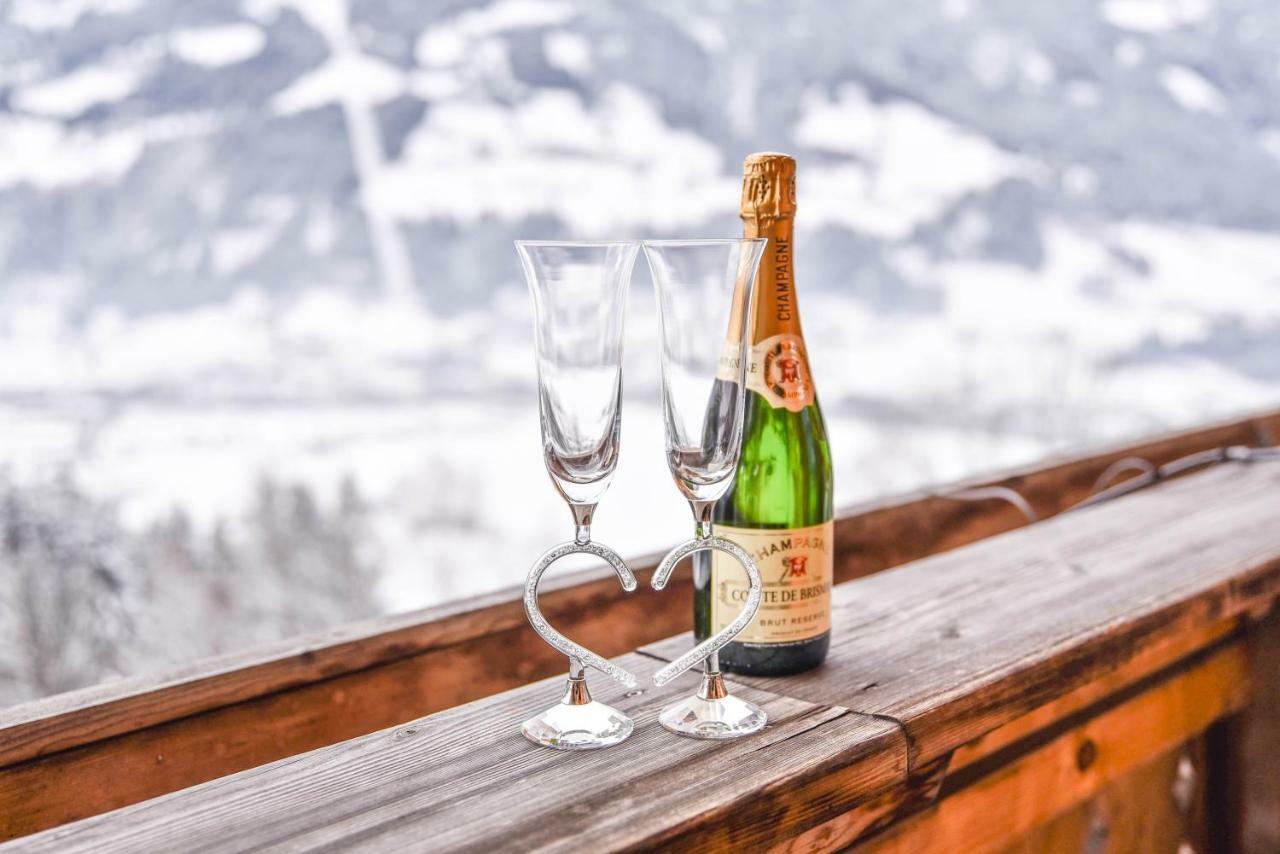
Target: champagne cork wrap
778,364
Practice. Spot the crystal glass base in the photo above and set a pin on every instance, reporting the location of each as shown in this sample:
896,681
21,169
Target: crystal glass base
724,717
587,726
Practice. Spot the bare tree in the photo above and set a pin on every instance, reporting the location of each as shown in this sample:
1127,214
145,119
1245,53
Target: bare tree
83,599
66,574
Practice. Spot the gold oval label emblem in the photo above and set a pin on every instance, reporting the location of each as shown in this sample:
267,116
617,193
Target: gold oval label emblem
780,371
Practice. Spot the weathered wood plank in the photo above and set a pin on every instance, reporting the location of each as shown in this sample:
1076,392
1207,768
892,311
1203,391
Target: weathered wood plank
959,644
1118,578
1136,812
116,772
1124,678
870,537
1018,797
918,792
1021,735
166,752
1244,757
88,751
586,604
466,780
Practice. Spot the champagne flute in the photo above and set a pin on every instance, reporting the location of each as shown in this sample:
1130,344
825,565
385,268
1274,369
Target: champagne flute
579,295
704,302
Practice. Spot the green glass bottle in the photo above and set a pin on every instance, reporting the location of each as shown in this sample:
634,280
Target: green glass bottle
780,505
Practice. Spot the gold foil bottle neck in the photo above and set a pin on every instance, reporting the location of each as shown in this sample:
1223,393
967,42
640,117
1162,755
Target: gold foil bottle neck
768,186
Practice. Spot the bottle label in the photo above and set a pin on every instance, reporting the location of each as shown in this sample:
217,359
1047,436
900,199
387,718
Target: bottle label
730,361
796,568
778,369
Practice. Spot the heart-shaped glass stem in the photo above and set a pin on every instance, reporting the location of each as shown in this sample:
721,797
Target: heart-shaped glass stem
704,290
712,712
712,645
577,722
579,295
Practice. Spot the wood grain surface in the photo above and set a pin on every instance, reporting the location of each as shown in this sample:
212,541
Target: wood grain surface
88,751
1037,787
956,645
466,779
1122,622
1245,757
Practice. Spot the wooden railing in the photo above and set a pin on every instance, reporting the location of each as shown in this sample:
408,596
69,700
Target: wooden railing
83,753
1099,679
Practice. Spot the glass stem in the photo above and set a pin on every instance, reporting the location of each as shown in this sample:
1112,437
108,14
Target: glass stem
582,514
712,687
702,511
576,693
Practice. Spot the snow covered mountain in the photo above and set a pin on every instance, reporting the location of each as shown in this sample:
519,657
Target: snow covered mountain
271,239
160,154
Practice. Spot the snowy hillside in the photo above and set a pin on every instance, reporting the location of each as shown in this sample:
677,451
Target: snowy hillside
256,264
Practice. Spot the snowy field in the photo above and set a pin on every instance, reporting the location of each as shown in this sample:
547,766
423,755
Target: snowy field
256,276
188,410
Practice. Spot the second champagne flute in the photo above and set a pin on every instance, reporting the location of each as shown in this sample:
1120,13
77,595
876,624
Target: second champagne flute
704,301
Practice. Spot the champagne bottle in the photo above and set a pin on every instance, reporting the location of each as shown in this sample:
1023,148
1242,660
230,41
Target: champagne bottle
780,505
